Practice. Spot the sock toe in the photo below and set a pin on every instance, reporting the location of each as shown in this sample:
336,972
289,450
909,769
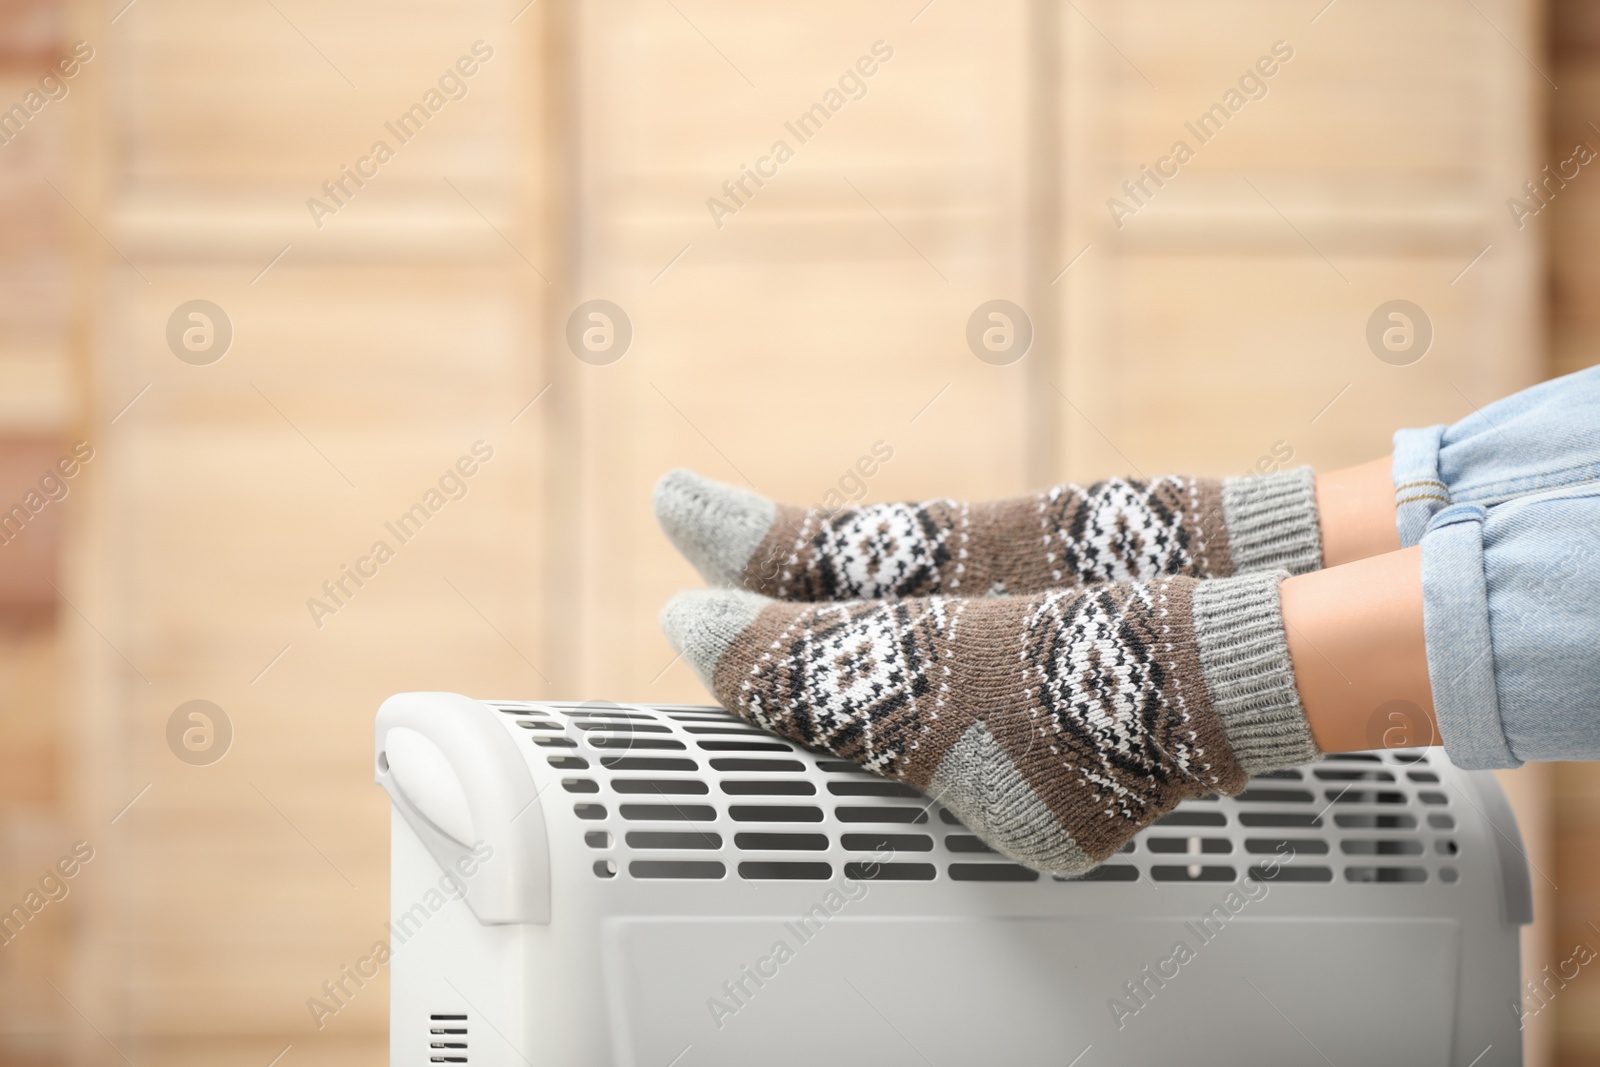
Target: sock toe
703,623
717,527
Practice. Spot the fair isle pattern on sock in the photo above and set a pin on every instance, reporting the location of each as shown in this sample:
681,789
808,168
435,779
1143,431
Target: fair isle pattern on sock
1104,666
863,553
1055,726
864,681
1114,530
1119,530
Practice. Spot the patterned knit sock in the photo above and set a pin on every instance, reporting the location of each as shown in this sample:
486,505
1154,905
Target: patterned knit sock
1054,726
1070,535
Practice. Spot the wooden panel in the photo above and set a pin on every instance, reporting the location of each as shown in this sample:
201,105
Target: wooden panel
1224,321
1229,309
828,309
365,361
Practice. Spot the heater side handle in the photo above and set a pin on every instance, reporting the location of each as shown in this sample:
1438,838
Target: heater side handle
455,775
1516,888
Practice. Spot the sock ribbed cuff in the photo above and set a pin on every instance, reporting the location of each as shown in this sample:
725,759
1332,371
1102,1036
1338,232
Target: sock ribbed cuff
1244,656
1272,522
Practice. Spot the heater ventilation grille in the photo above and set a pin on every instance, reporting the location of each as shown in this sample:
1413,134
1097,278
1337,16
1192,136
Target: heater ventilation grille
447,1039
1358,818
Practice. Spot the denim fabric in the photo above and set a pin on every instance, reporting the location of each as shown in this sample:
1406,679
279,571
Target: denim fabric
1511,610
1546,437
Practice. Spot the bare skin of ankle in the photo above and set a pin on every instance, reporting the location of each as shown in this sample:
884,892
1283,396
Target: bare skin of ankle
1356,509
1355,628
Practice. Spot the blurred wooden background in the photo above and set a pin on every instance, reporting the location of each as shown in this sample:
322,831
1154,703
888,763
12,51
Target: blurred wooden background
1222,323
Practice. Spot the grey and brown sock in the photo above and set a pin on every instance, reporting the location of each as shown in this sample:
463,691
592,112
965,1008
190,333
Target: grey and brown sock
1055,726
1069,535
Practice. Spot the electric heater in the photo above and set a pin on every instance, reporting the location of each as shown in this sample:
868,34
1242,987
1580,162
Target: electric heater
665,886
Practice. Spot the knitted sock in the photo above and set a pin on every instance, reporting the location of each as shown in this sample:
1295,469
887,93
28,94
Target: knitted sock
1070,535
1054,726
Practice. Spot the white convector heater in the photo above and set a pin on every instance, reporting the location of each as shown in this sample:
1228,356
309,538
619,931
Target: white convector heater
665,886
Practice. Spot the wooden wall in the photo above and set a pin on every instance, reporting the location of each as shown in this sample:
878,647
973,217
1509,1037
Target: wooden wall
1223,322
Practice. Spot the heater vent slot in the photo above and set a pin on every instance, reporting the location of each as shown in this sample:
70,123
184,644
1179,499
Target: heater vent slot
882,814
745,746
890,872
758,842
621,727
1193,846
1309,846
992,872
1291,873
1274,796
1400,846
786,869
1106,872
630,743
447,1039
965,843
1371,875
579,716
676,869
1375,821
839,766
1193,872
782,787
1343,774
660,786
871,788
1279,819
1193,818
669,812
774,813
672,839
888,842
1365,796
647,763
756,766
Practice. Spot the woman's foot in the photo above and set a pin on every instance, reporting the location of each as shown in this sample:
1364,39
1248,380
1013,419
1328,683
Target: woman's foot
1070,535
1055,726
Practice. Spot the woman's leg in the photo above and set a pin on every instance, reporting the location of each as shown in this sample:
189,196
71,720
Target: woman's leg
1355,636
1355,506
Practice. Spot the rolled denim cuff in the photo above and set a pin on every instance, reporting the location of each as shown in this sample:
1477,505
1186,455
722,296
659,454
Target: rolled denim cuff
1455,612
1419,490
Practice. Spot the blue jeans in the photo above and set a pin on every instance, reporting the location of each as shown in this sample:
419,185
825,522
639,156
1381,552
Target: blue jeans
1506,507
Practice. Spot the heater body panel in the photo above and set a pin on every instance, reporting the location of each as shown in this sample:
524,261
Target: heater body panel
715,895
